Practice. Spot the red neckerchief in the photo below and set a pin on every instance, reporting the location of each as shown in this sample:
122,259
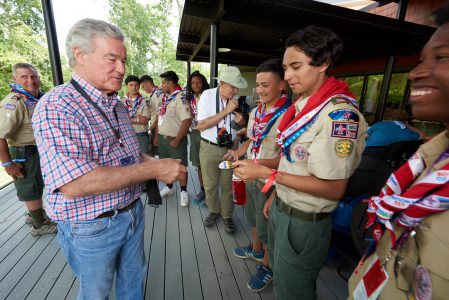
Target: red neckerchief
262,117
193,105
329,88
408,202
132,111
166,100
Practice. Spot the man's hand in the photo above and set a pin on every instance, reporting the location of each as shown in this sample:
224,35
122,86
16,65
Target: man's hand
232,155
239,119
267,205
232,105
174,143
156,140
249,170
170,170
15,171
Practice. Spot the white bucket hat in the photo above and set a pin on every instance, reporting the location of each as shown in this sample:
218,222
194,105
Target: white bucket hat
231,75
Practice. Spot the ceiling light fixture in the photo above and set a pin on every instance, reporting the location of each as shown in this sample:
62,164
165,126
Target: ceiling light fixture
223,50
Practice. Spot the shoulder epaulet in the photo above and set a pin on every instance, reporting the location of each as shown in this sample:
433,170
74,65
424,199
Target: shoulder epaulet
339,100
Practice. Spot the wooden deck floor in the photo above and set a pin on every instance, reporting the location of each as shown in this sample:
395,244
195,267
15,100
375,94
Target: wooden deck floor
185,259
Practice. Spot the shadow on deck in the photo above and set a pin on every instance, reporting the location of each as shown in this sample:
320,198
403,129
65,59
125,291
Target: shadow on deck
186,260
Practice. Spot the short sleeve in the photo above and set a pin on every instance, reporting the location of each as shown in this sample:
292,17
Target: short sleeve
183,107
11,116
146,111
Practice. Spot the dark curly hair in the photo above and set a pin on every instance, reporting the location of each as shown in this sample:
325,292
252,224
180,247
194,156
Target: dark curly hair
170,76
321,44
441,15
204,85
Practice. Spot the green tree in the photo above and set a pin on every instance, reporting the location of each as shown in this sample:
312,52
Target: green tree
150,48
22,39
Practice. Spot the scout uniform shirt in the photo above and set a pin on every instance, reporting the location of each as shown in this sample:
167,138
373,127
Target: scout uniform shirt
143,110
330,149
177,111
15,121
155,103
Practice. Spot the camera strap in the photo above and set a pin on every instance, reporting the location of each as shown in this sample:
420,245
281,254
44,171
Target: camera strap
217,110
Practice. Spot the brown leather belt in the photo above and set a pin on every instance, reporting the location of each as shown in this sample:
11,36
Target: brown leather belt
209,142
299,214
111,213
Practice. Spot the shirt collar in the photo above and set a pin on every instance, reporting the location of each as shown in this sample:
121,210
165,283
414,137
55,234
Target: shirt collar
107,100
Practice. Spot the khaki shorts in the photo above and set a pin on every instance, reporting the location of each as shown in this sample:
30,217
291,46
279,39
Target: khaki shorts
166,151
31,186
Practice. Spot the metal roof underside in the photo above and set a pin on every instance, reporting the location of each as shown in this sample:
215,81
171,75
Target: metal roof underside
256,30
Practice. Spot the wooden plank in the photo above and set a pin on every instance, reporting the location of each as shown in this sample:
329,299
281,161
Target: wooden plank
73,292
335,282
190,271
238,266
62,285
35,271
20,261
150,213
228,285
173,271
155,285
208,278
45,283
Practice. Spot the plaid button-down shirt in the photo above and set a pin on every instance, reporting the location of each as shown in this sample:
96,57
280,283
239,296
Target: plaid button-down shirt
73,138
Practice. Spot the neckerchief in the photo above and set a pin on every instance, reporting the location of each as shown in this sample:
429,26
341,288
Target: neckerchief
132,110
291,127
166,100
156,90
264,120
405,204
30,100
193,105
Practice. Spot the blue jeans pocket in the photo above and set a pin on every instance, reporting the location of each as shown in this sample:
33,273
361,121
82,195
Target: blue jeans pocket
90,229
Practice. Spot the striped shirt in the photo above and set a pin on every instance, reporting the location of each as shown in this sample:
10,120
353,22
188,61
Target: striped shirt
73,138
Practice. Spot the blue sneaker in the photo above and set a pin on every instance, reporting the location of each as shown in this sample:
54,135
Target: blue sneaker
261,280
199,198
247,252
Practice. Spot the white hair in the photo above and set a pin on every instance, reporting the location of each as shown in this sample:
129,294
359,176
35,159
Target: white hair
81,34
23,66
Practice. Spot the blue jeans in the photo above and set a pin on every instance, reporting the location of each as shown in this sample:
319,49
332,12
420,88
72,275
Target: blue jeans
96,249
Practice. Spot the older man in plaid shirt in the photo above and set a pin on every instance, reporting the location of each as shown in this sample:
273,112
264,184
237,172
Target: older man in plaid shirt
93,167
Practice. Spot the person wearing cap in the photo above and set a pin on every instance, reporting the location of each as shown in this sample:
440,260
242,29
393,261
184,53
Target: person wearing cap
18,151
214,121
173,125
155,94
322,139
138,111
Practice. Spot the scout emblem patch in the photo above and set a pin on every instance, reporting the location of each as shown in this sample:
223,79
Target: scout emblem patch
343,148
345,129
301,153
224,165
423,284
344,115
10,106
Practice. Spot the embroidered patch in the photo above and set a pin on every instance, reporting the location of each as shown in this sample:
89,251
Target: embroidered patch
10,106
423,284
301,153
343,148
345,129
344,115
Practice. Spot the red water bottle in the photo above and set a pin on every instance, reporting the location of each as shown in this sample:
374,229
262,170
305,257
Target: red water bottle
238,190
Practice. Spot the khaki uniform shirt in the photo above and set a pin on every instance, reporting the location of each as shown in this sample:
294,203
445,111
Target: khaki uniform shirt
15,121
156,101
428,248
144,110
330,149
269,148
177,111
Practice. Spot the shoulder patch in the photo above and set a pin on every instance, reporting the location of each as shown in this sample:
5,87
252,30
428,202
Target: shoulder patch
345,129
10,106
343,148
344,114
16,98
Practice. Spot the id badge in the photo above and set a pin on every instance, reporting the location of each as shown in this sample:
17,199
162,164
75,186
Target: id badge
372,282
127,161
160,121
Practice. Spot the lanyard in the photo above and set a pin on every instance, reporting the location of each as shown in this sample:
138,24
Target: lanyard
102,113
217,109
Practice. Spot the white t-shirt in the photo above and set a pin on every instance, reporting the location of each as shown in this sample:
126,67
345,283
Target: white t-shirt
207,108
